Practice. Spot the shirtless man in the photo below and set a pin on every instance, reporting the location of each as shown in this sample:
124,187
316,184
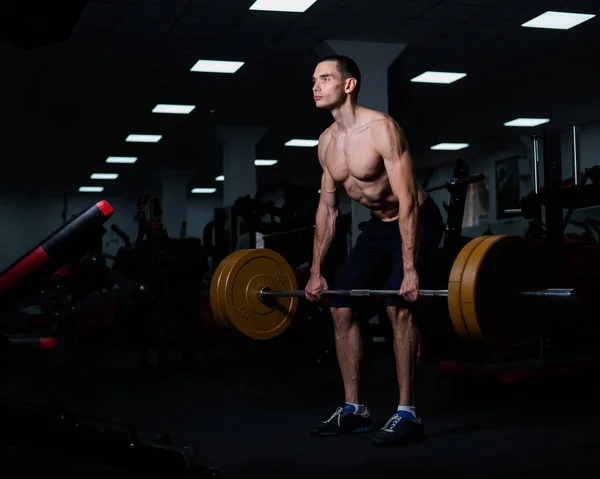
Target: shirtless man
366,152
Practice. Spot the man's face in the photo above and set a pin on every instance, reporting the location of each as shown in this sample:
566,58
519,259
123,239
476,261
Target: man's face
328,86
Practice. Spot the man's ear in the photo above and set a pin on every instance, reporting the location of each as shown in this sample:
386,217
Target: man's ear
350,85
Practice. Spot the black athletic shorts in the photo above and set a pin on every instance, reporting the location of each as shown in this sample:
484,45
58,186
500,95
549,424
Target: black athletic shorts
375,261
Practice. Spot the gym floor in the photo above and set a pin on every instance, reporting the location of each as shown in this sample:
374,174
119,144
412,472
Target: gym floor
248,415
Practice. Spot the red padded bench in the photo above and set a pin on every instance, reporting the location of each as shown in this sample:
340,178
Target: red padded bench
50,259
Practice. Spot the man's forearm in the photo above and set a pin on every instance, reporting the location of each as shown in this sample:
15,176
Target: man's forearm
409,232
324,234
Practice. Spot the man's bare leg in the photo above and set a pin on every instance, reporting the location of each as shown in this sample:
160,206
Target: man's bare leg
349,351
354,416
404,426
407,349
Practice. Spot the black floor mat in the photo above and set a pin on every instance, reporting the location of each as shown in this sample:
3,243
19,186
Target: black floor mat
250,416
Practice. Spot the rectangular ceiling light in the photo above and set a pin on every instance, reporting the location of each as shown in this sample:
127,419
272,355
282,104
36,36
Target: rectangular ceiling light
220,178
558,20
216,66
265,162
143,138
173,109
282,5
203,190
450,146
302,143
527,122
91,189
438,77
104,176
122,159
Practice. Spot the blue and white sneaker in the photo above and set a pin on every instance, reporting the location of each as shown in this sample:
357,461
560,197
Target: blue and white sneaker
344,421
402,428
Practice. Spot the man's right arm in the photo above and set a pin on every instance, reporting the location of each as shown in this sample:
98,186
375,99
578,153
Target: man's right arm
326,216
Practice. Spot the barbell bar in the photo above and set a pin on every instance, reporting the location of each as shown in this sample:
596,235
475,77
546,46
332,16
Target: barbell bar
557,294
496,291
268,293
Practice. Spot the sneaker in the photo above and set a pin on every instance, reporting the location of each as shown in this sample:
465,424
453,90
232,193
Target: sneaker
344,421
401,428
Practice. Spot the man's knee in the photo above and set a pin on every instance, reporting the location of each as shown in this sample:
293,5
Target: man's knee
398,314
342,317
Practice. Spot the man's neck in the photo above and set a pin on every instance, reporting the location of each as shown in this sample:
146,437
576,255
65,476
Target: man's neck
345,116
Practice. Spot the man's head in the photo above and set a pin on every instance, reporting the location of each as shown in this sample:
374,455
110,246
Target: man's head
336,78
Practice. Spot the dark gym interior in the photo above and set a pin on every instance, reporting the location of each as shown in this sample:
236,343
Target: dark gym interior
152,210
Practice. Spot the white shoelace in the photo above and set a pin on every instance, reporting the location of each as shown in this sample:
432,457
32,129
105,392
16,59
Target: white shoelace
338,413
394,420
391,424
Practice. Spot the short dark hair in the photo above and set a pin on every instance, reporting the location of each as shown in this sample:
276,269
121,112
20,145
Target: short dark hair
347,67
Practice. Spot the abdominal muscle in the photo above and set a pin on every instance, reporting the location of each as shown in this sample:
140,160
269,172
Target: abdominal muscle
376,196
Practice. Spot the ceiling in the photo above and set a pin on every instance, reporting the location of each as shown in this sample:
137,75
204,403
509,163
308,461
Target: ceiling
70,104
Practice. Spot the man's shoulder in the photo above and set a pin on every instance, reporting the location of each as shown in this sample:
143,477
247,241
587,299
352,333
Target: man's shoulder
380,117
327,131
324,141
384,128
323,137
383,122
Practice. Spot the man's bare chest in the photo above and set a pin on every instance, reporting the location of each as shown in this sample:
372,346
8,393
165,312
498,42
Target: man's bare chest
353,156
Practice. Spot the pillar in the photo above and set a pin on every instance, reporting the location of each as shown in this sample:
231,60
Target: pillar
174,199
373,59
239,152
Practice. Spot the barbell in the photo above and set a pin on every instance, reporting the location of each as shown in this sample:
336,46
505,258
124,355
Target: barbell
491,285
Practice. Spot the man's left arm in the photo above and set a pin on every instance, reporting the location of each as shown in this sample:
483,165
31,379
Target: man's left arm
389,142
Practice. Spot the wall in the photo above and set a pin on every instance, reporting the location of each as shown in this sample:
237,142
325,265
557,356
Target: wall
26,221
486,165
589,156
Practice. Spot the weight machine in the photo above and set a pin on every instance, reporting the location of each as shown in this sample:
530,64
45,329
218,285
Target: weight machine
253,223
545,208
38,278
455,208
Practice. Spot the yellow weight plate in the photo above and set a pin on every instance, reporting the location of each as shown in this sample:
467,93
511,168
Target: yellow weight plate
224,266
498,268
238,291
454,288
